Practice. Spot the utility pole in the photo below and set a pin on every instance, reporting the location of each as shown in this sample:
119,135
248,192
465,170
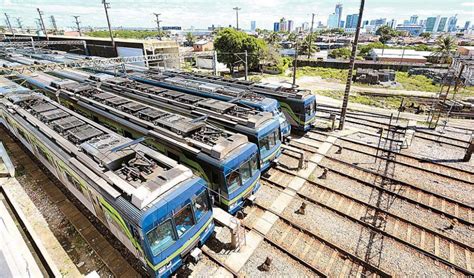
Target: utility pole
42,23
157,20
345,101
9,25
106,7
237,9
246,66
18,21
294,63
311,36
53,22
78,26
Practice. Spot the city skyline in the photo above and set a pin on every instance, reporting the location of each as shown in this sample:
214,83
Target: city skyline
196,12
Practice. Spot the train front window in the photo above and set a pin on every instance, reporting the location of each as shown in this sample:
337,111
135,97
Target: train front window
161,237
233,181
245,172
254,164
269,141
309,110
201,205
184,220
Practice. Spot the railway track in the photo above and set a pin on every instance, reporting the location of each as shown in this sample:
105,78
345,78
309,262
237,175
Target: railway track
430,243
286,235
403,159
439,203
212,257
362,118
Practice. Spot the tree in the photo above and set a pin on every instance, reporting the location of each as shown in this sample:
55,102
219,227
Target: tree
230,44
340,53
385,33
304,47
190,38
364,50
425,35
445,45
273,38
292,37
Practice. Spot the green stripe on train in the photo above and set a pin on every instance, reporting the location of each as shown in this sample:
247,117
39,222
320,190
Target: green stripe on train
177,252
292,114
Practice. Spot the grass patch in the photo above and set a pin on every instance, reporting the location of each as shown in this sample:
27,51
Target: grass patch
381,102
416,82
325,73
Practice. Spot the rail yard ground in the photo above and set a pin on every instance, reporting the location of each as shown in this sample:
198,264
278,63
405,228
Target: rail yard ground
338,215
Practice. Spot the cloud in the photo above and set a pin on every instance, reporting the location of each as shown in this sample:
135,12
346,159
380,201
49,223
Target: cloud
467,4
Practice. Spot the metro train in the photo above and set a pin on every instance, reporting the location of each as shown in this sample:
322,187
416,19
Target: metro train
209,90
260,127
298,105
154,206
226,160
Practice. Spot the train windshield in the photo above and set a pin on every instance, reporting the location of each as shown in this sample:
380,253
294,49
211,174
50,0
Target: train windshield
269,141
201,205
310,109
242,175
184,220
161,237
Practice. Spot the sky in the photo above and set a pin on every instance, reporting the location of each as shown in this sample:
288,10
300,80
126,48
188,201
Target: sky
203,13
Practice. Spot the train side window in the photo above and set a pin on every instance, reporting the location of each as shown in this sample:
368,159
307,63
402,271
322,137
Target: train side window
201,205
183,220
161,237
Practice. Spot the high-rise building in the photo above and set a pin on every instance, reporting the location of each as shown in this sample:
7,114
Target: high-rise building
332,21
291,25
378,22
253,25
283,25
466,25
338,12
452,21
351,20
430,24
392,23
341,24
305,26
276,26
364,23
442,24
422,22
414,19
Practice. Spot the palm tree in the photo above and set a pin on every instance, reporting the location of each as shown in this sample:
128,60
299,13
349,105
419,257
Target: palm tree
445,45
304,47
273,38
190,38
